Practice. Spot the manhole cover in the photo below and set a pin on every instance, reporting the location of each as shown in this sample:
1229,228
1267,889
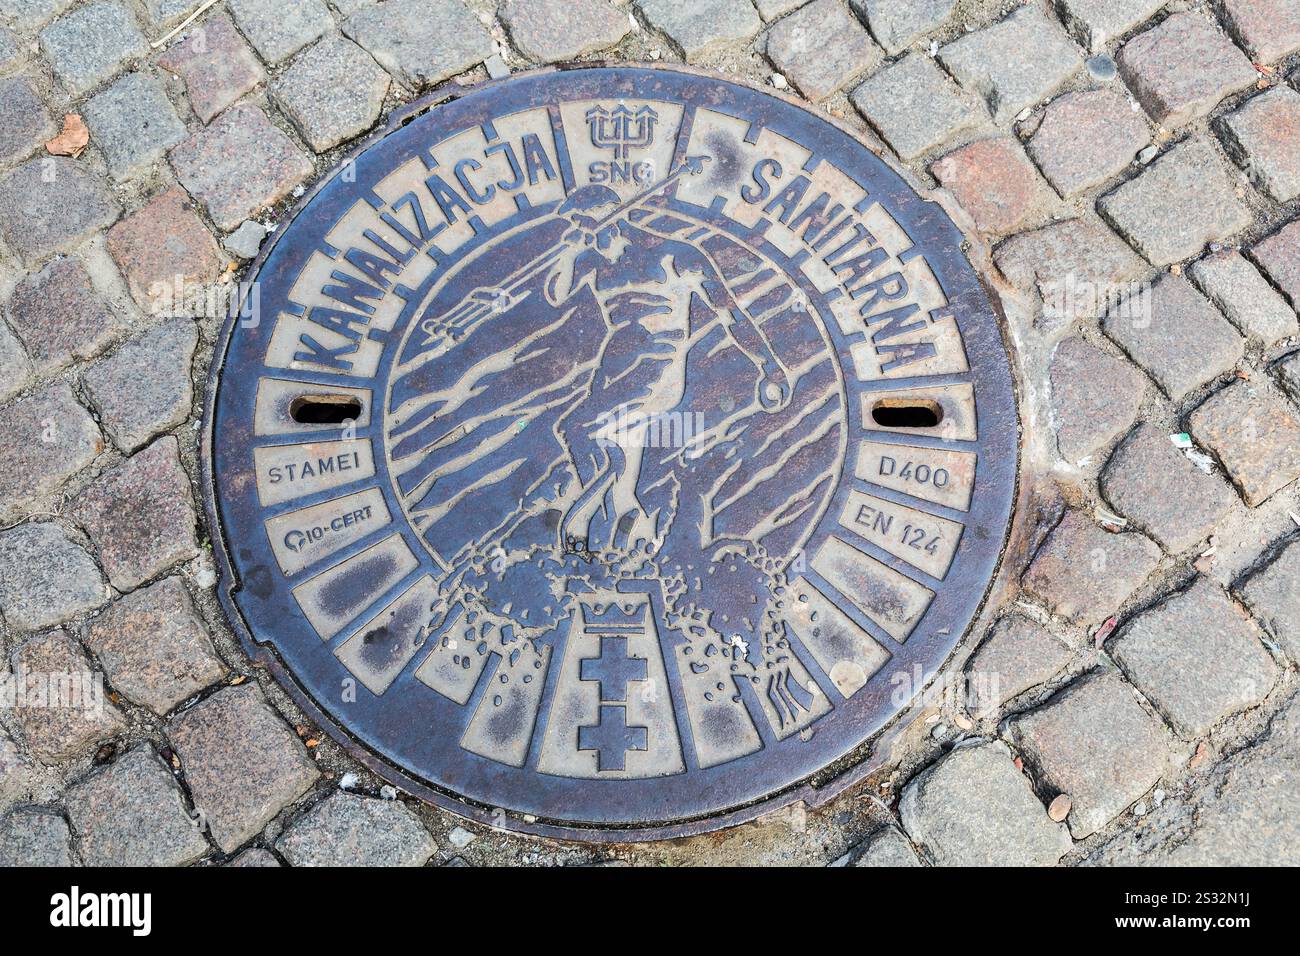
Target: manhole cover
610,448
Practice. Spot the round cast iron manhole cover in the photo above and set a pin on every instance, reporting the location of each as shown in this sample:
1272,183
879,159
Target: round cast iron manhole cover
612,447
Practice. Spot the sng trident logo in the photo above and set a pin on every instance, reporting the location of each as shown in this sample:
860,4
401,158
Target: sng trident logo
621,129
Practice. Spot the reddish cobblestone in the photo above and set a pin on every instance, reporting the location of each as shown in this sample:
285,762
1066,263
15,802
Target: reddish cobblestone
1279,257
140,515
239,165
1268,29
994,182
821,47
1255,432
165,252
59,730
59,317
1263,137
1084,574
1087,138
217,71
1181,69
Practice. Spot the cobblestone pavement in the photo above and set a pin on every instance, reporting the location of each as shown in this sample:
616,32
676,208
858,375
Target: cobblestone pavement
1146,628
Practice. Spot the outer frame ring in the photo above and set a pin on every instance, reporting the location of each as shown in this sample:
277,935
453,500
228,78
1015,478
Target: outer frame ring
814,790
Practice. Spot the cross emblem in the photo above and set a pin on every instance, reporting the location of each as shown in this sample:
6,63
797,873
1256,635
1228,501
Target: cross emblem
613,669
612,738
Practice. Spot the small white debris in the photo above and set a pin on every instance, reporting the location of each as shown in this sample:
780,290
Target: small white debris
939,732
655,53
387,792
1159,797
1139,809
496,66
460,838
1199,459
779,82
1294,517
1024,114
1181,440
298,191
348,781
1105,518
205,577
934,47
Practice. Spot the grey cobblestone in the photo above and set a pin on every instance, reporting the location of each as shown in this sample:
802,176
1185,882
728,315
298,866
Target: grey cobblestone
59,317
1268,29
1095,23
546,31
134,814
239,165
91,43
216,72
348,830
1263,137
1179,337
1074,265
1018,654
167,12
1095,743
45,438
140,515
72,725
133,123
24,121
1279,257
914,105
886,847
255,857
1246,814
821,47
243,765
1185,199
1180,69
1014,63
29,14
1273,594
1095,397
13,768
15,366
51,204
9,54
1087,138
1255,432
45,577
1197,658
702,26
1245,297
1083,573
974,808
771,9
154,646
421,42
1137,483
895,25
35,838
332,92
280,28
1288,371
145,388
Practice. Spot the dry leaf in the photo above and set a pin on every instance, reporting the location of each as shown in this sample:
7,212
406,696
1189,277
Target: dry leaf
73,140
